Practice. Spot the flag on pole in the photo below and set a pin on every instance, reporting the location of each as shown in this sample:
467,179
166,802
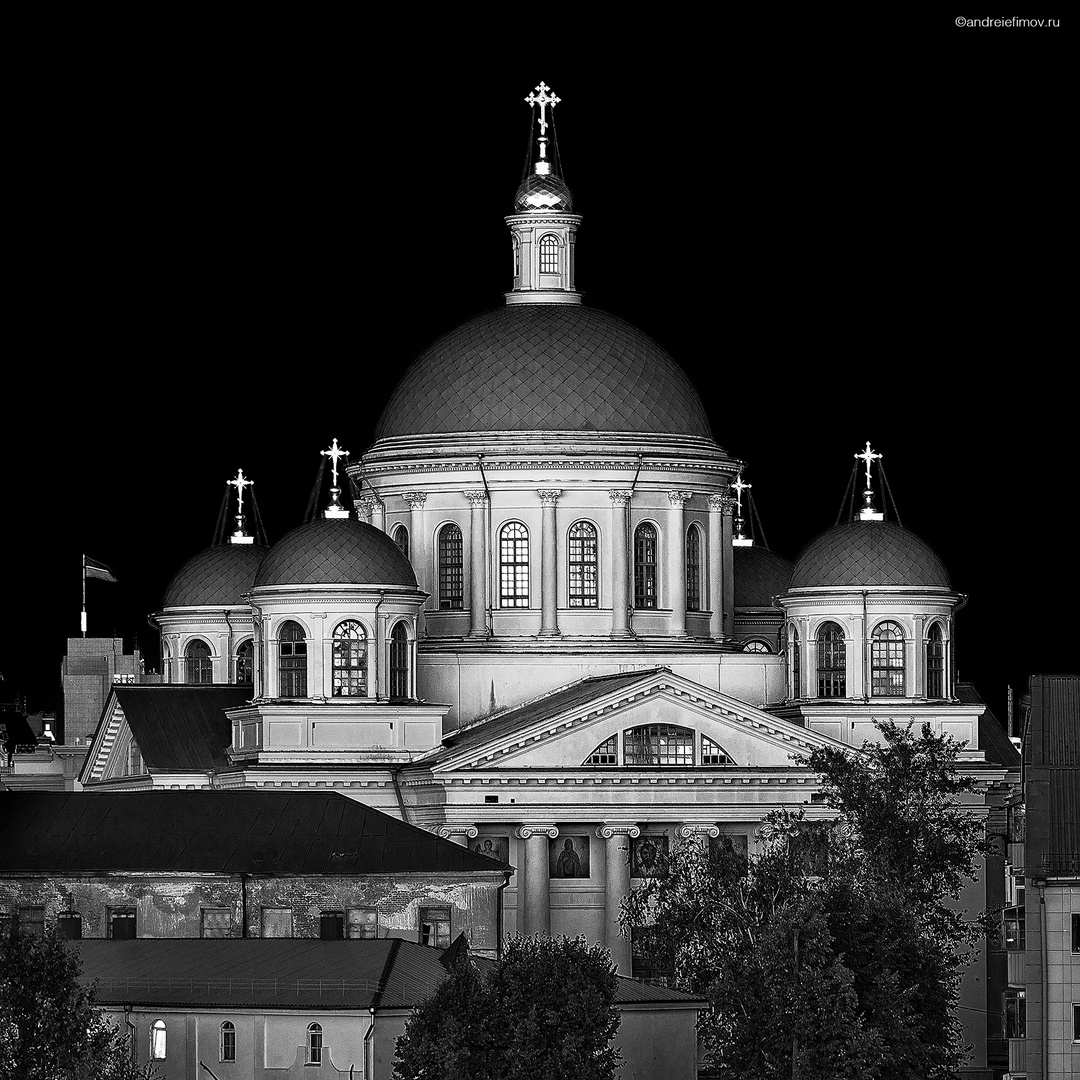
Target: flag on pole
94,569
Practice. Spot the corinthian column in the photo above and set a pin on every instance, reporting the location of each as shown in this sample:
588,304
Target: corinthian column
716,566
620,577
374,510
617,888
727,555
478,548
549,565
418,553
676,563
536,909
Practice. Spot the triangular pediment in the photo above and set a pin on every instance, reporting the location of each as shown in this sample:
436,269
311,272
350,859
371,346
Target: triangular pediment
561,730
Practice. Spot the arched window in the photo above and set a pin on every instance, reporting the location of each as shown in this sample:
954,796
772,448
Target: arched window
399,663
756,647
796,664
314,1044
292,661
200,668
549,254
935,663
451,569
245,663
400,536
658,744
513,566
607,753
582,566
693,568
645,566
228,1041
887,660
831,661
157,1041
713,753
350,660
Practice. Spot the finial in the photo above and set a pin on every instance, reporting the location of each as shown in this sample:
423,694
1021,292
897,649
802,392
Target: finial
739,540
543,99
335,509
240,482
868,513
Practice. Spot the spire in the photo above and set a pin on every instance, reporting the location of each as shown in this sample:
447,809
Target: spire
868,511
335,509
240,481
543,224
739,540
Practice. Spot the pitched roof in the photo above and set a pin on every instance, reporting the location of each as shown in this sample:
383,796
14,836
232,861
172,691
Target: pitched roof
181,728
557,702
994,741
227,832
287,973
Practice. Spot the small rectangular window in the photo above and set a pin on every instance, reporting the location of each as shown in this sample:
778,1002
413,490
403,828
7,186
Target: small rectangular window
216,923
32,920
1076,933
121,923
435,927
276,922
1014,1013
363,923
69,926
1076,1022
332,925
1013,930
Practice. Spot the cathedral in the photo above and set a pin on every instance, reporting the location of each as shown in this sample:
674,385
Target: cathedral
529,619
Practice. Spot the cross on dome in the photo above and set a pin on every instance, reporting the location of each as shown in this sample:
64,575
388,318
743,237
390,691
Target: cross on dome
335,509
868,513
868,456
739,540
240,481
334,453
542,101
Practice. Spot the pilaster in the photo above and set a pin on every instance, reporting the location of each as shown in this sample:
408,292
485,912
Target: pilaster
676,562
478,556
549,563
620,564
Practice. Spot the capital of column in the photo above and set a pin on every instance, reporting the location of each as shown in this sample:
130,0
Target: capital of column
415,499
549,496
679,498
617,828
370,503
619,498
690,829
476,498
723,503
457,829
523,832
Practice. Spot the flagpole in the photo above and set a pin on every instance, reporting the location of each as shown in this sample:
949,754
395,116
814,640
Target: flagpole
83,619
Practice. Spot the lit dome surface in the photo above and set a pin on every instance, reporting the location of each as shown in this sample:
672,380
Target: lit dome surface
217,577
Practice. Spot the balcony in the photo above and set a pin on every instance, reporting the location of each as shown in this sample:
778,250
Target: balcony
1018,1055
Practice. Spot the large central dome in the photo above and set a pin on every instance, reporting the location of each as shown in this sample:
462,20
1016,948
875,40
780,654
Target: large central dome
544,367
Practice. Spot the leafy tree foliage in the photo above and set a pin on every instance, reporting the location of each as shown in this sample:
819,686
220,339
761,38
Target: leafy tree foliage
546,1010
49,1027
834,952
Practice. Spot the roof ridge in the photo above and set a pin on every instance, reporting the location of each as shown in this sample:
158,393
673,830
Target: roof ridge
384,975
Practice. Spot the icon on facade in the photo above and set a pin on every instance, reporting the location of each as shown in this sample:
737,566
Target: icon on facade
646,855
569,857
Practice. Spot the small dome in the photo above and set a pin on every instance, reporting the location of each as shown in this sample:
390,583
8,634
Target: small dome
544,367
540,193
759,576
336,551
216,577
858,554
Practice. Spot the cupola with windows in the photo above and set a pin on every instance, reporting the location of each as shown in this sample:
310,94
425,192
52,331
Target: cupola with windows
205,622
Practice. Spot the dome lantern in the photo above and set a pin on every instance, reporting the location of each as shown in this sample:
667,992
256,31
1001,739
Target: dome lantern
543,226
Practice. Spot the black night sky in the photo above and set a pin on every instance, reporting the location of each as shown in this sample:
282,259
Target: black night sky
231,267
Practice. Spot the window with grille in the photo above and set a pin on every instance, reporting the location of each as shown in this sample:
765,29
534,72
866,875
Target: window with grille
658,744
292,661
314,1044
121,923
363,923
513,566
549,254
216,923
350,660
607,753
400,536
451,569
832,662
157,1041
332,925
245,663
435,927
935,663
645,567
200,668
32,920
887,660
1013,929
582,566
399,663
693,568
713,754
756,646
796,664
228,1041
69,926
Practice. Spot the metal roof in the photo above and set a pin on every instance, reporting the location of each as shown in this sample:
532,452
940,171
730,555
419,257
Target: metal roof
760,574
993,739
227,832
217,577
181,728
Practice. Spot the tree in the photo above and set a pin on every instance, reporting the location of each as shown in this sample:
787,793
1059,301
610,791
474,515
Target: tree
546,1010
49,1027
841,966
